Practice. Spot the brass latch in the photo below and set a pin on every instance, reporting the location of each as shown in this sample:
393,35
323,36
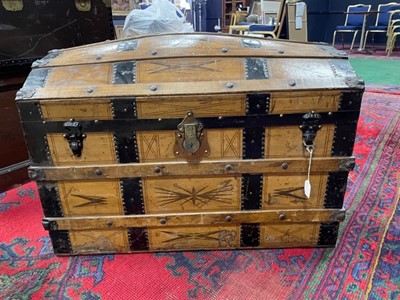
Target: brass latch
190,138
13,5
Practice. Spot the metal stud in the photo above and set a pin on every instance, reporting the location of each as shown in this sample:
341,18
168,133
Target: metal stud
90,90
292,83
228,168
224,50
228,218
163,221
154,52
153,88
230,85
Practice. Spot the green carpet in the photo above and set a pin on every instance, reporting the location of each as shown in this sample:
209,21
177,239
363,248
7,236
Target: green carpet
377,71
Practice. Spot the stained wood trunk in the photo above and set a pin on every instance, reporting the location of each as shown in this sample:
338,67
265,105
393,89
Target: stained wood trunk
191,141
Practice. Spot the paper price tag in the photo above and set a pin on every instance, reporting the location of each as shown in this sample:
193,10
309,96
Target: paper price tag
307,188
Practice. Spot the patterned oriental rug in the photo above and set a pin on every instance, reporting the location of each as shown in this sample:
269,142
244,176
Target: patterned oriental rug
364,265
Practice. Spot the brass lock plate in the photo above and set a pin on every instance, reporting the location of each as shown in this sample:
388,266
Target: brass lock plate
191,141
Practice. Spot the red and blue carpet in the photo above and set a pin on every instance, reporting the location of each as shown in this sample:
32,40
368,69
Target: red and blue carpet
364,265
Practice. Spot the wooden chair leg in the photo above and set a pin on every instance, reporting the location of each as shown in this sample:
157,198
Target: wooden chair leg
391,39
393,43
388,40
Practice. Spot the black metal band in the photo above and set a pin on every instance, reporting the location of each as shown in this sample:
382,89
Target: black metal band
249,235
253,148
344,138
61,242
50,198
251,191
328,234
257,104
335,190
345,133
29,110
138,239
256,68
249,121
126,143
132,196
350,101
124,72
124,108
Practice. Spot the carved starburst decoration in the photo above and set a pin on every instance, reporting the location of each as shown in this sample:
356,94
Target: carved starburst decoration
198,197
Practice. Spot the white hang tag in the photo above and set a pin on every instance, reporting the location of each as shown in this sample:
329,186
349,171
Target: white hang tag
307,183
307,188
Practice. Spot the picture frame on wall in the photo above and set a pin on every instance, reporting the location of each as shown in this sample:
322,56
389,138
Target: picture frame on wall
122,7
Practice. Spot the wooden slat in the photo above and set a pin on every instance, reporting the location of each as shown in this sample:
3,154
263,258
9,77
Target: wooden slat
289,235
285,103
167,195
226,167
189,88
98,147
290,139
99,241
97,109
201,105
199,219
191,45
158,146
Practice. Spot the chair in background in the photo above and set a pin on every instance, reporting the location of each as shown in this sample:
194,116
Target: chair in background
353,23
144,5
393,31
277,15
238,22
383,20
240,18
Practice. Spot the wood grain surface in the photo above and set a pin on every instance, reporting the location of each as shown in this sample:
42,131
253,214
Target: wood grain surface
139,188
